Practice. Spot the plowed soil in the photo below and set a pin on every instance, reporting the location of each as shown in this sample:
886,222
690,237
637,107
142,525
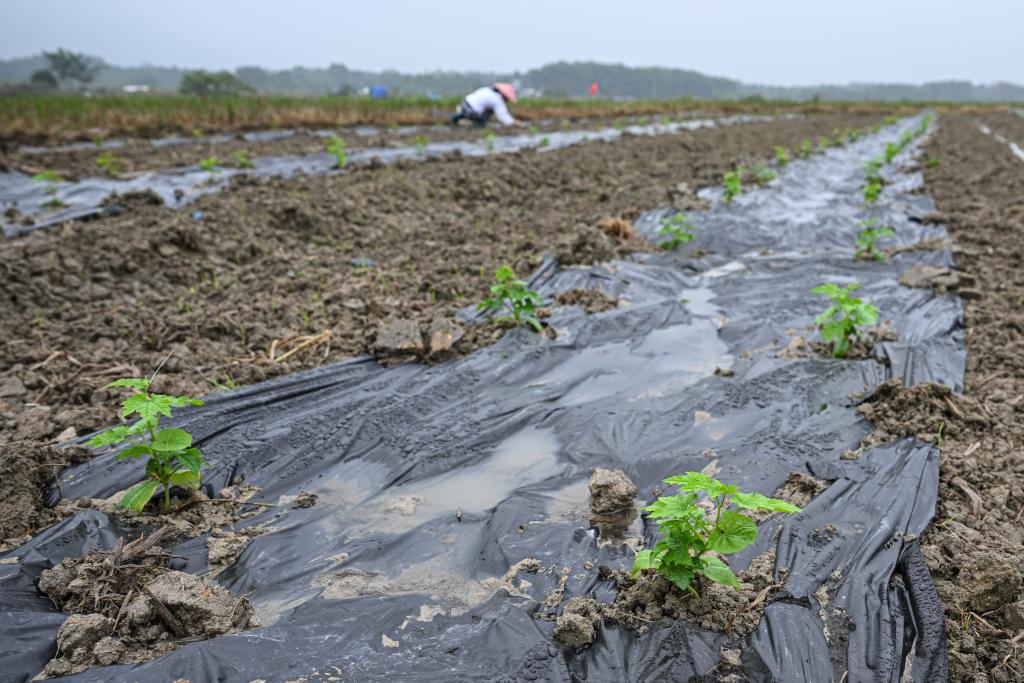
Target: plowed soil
975,547
279,264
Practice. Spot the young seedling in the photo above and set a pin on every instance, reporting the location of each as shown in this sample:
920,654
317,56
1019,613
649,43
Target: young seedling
823,143
781,156
733,183
689,535
867,240
511,293
544,142
805,150
891,150
677,230
420,143
763,175
337,148
933,163
110,164
171,458
51,190
873,190
889,120
842,319
242,159
490,138
210,164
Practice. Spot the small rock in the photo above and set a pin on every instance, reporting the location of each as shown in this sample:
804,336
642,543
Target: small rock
443,335
611,491
67,435
928,276
1013,615
11,387
225,550
401,336
388,642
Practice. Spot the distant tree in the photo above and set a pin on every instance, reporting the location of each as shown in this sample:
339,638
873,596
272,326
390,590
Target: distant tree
73,66
43,79
205,83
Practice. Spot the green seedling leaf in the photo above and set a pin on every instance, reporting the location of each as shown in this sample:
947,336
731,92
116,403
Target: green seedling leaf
756,501
168,440
734,532
133,383
698,482
133,452
718,571
192,458
674,507
109,437
645,559
138,496
185,479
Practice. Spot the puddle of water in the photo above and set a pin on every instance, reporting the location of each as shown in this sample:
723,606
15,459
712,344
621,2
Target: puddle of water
572,504
698,302
527,457
656,365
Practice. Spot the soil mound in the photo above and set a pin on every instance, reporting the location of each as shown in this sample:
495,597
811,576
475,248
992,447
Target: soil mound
127,607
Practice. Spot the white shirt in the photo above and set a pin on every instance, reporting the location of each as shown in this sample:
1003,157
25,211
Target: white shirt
489,99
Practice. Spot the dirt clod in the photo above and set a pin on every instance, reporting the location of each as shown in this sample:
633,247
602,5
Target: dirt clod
577,624
126,606
611,491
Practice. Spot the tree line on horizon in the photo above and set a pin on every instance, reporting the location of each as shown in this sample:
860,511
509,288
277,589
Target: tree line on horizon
75,72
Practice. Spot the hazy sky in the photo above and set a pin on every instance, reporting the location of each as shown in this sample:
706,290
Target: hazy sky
786,42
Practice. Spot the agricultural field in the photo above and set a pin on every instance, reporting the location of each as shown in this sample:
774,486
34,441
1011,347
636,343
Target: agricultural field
293,390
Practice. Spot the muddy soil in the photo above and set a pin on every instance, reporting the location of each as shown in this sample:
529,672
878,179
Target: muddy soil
650,597
286,274
140,155
127,607
975,547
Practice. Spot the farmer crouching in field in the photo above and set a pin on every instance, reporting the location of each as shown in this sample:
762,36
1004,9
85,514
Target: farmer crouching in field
480,105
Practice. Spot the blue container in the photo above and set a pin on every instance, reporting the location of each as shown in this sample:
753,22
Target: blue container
378,91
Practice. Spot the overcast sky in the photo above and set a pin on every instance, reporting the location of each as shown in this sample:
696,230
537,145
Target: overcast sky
786,42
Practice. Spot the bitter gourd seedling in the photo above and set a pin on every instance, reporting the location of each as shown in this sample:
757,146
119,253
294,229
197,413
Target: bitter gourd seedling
844,317
690,536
